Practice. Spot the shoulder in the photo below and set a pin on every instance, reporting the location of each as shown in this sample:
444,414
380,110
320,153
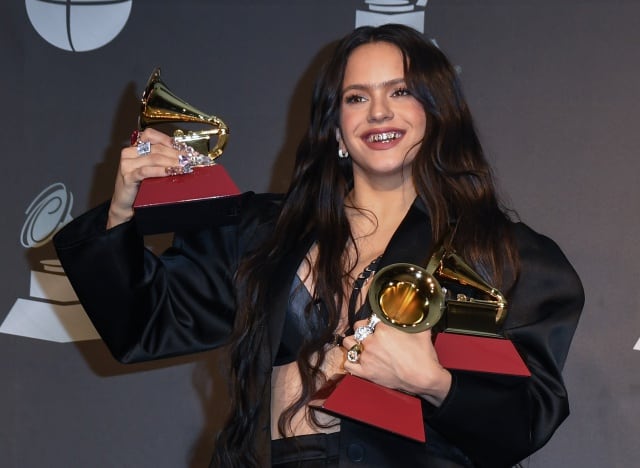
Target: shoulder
259,210
247,226
257,216
251,212
545,277
260,206
538,249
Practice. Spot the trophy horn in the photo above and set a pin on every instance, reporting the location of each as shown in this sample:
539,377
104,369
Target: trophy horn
160,105
406,296
415,299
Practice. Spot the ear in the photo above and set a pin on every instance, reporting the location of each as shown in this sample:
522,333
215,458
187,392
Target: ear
341,144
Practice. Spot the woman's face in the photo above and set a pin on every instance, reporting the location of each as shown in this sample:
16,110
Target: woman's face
381,124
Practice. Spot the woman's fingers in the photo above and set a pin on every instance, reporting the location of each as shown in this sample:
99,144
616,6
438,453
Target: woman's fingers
389,356
153,136
135,168
152,154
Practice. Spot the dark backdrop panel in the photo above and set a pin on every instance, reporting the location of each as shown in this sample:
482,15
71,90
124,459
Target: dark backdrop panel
552,86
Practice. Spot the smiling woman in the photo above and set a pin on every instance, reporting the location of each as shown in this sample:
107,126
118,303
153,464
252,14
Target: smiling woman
389,165
381,123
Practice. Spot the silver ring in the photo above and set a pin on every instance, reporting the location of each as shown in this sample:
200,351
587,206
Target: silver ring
188,157
362,332
373,321
185,163
353,355
143,148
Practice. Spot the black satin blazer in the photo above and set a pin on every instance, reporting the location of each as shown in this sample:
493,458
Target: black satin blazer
148,307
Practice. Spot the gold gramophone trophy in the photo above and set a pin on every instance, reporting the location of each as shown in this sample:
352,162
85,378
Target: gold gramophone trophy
207,192
465,314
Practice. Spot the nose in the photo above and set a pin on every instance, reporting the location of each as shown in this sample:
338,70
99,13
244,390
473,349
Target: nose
380,110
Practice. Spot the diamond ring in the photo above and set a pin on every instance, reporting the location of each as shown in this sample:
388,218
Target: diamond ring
143,148
362,332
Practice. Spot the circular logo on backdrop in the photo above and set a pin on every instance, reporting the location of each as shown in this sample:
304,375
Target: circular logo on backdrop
47,213
78,25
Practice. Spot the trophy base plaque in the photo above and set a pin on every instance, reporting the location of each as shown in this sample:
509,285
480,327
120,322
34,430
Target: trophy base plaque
479,354
349,396
206,196
400,413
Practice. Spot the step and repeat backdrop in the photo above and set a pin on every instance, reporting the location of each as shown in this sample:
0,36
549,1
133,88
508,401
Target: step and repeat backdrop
554,89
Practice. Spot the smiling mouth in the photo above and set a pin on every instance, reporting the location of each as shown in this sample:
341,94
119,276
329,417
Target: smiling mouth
383,137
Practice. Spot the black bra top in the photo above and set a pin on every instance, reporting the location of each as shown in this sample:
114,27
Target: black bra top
298,328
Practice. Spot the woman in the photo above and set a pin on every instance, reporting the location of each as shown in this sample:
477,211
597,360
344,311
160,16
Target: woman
390,163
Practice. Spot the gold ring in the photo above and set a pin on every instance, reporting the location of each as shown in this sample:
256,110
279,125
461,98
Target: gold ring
353,355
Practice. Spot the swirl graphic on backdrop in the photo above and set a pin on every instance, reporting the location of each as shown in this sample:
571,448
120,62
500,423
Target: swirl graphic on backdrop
46,214
380,12
78,25
52,311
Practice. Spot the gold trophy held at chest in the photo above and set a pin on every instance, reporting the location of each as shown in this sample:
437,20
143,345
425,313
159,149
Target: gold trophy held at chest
448,295
465,314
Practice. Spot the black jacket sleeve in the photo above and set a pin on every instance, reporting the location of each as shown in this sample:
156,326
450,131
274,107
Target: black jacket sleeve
499,420
146,306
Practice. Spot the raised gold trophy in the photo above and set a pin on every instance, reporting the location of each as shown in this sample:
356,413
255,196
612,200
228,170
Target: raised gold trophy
202,191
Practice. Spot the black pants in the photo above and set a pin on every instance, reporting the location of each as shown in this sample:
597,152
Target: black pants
324,451
309,451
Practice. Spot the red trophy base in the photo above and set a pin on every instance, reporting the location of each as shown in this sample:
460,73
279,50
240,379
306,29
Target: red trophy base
400,413
479,354
207,195
350,396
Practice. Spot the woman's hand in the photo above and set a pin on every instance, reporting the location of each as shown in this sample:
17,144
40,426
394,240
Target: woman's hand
400,360
134,168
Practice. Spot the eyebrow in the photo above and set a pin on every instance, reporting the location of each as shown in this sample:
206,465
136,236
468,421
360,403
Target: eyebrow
367,87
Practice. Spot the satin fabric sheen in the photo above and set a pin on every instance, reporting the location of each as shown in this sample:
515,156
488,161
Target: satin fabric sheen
146,307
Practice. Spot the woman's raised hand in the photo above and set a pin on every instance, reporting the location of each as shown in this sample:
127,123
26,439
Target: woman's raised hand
400,360
138,162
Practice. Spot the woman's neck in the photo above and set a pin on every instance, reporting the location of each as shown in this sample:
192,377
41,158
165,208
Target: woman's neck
374,216
388,207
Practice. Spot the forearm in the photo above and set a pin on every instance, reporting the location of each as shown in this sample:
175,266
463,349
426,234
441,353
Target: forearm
144,307
490,418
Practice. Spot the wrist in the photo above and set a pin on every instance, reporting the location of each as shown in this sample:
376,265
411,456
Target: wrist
437,388
118,216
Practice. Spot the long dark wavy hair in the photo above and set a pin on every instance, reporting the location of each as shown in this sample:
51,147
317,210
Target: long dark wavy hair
451,176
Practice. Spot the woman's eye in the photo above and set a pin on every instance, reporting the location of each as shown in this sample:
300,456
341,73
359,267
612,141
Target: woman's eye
354,98
401,92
